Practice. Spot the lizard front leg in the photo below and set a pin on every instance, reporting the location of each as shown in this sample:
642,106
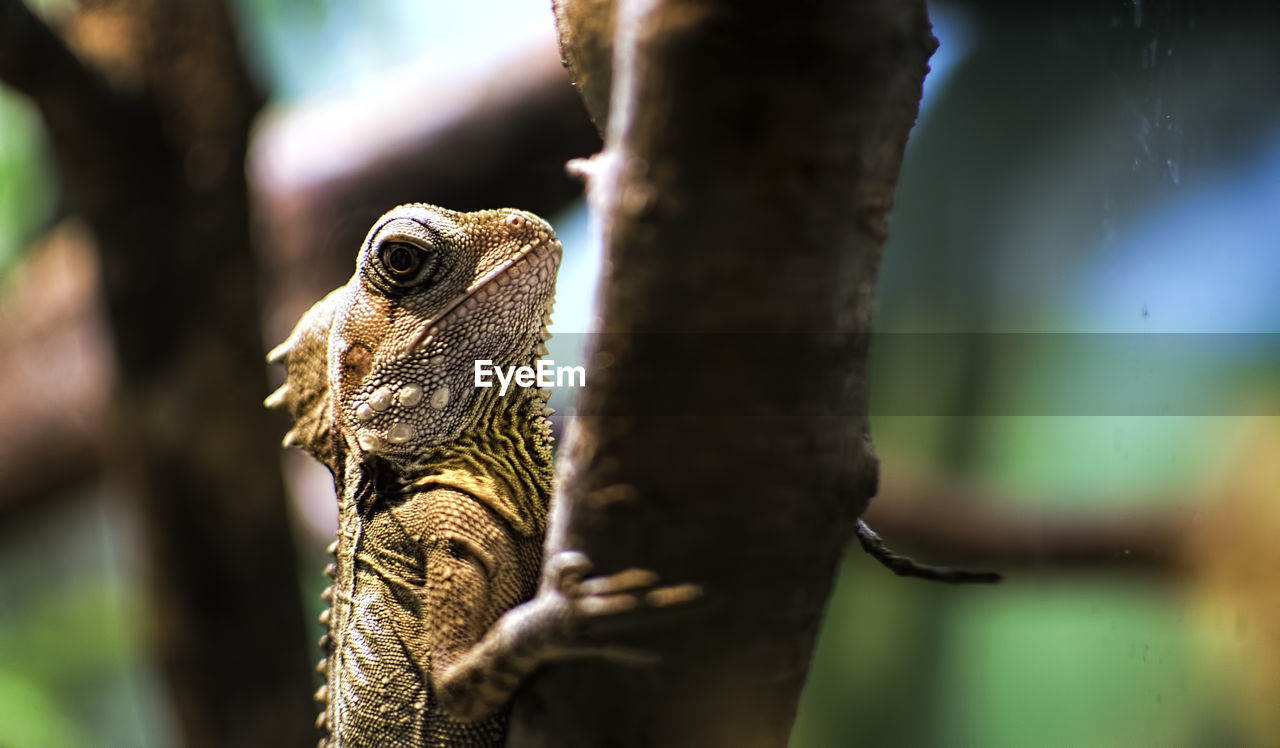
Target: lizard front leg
568,618
482,634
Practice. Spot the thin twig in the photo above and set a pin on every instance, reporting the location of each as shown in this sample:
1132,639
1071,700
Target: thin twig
906,567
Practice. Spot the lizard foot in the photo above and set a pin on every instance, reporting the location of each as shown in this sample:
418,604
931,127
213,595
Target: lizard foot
589,608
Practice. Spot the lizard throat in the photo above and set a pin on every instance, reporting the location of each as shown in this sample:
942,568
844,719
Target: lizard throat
509,452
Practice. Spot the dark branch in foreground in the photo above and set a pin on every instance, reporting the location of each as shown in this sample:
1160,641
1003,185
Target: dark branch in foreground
907,567
828,96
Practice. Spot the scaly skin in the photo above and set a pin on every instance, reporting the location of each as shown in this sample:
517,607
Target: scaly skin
442,487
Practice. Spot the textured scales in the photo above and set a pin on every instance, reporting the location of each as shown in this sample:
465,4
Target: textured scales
442,487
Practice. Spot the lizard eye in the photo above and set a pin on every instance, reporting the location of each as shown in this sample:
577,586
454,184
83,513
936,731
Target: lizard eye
401,260
403,264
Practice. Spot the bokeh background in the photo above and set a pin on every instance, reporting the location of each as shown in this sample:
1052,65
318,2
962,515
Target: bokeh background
1074,377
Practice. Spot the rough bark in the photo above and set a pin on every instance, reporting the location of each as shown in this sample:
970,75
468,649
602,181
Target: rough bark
149,139
747,176
585,29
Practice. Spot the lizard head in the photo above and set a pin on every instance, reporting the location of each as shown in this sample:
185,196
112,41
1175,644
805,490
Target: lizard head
434,291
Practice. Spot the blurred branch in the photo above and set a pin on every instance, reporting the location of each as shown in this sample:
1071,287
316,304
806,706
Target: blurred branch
98,133
53,345
963,524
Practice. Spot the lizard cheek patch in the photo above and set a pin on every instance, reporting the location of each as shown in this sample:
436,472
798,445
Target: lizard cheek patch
356,360
380,400
400,433
440,398
369,441
410,395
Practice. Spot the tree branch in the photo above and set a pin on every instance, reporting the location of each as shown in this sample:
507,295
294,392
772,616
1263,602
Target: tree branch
906,567
585,29
968,525
744,188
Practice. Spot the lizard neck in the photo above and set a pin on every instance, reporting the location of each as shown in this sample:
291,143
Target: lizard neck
504,460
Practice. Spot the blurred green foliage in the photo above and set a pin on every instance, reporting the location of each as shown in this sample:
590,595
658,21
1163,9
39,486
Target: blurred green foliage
1042,659
73,664
26,177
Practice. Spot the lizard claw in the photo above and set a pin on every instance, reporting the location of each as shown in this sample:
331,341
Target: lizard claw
673,595
623,581
631,589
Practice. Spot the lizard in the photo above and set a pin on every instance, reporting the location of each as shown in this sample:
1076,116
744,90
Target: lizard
441,604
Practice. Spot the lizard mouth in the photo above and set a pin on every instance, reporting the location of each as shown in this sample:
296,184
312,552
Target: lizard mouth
534,266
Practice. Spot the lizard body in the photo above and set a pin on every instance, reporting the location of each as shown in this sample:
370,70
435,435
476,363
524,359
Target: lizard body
443,487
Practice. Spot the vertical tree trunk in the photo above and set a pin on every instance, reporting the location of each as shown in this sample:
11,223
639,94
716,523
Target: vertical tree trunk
750,160
150,141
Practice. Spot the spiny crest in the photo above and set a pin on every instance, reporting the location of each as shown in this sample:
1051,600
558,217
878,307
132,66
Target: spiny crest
305,392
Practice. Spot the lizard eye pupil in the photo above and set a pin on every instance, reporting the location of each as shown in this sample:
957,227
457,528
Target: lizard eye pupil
401,259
